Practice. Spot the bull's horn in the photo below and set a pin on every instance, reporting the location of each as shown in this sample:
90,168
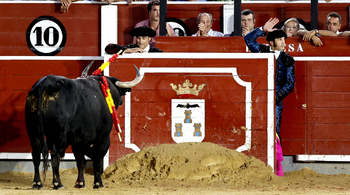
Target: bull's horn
131,83
86,70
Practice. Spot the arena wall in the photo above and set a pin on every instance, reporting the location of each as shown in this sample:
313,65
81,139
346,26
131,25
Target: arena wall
314,124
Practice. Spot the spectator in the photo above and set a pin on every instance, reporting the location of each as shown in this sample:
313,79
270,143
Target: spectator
247,22
285,74
205,22
143,36
333,25
333,22
65,4
291,27
153,21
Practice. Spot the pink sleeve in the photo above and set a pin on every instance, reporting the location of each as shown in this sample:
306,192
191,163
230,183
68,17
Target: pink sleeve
172,32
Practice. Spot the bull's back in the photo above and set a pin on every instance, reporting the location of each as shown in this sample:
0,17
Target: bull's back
67,105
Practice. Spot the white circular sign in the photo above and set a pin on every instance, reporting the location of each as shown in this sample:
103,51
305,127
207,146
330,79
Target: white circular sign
46,36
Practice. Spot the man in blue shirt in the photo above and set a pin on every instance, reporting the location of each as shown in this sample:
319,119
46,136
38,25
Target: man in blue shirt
285,73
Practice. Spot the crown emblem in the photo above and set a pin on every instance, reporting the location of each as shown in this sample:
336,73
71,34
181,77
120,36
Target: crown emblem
185,90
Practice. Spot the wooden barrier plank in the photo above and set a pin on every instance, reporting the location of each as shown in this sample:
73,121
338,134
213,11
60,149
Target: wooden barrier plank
294,146
293,131
2,143
18,144
331,68
329,147
331,131
70,68
331,115
18,128
2,82
18,98
3,113
331,84
331,99
2,98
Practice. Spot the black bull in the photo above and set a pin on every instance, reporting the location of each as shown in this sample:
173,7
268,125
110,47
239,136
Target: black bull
71,112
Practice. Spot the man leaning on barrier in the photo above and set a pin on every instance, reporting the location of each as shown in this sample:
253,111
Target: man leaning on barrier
143,36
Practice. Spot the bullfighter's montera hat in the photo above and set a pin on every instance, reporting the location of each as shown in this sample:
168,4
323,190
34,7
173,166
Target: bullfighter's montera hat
143,31
271,36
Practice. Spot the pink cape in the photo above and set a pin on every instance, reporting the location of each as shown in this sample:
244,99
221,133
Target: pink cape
279,158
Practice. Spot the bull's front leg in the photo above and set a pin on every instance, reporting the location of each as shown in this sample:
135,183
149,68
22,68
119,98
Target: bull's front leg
98,166
81,164
55,162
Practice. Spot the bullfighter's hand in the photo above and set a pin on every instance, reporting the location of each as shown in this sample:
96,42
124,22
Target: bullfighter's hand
268,27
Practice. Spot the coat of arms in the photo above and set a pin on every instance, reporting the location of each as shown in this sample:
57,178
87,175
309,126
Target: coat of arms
187,115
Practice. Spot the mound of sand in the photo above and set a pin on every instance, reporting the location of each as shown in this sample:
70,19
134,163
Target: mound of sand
188,168
205,162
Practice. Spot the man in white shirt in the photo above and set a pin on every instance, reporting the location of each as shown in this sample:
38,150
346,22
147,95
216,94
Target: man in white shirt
333,26
205,22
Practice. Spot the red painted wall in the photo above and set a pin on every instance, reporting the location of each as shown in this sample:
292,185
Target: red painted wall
82,24
317,111
17,78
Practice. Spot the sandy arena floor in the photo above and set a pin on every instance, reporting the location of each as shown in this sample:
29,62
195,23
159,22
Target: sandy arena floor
188,168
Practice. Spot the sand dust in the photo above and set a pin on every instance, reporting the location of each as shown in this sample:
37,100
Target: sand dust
188,168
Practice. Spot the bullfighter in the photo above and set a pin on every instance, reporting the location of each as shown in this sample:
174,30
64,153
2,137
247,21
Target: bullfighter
285,72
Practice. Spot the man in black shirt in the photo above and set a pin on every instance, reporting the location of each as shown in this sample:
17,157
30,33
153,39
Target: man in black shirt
143,36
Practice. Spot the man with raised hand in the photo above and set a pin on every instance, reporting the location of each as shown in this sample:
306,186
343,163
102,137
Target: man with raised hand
285,73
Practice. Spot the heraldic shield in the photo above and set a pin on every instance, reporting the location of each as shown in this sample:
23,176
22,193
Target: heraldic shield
187,120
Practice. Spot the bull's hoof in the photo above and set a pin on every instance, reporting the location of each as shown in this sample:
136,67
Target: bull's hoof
98,185
58,186
79,184
37,185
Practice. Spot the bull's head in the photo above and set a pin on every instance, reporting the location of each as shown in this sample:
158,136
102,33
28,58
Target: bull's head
120,84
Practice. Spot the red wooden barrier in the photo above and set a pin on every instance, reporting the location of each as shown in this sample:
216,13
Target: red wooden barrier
17,78
236,107
315,114
295,46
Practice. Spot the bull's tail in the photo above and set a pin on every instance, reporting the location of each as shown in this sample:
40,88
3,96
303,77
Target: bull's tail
44,147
